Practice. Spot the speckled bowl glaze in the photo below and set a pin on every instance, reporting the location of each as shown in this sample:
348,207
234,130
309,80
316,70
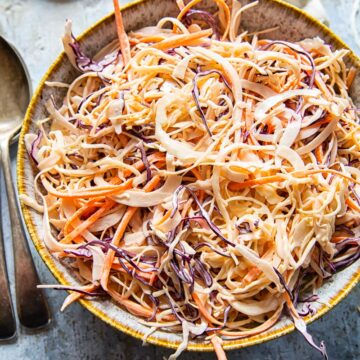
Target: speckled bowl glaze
293,25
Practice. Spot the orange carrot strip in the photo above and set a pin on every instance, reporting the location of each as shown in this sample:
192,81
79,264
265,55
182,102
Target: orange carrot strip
136,309
165,217
85,224
219,351
255,272
326,120
139,165
196,173
251,275
319,154
123,39
350,77
74,296
203,310
152,39
120,233
327,171
91,205
336,239
131,306
233,186
352,204
322,86
182,40
94,192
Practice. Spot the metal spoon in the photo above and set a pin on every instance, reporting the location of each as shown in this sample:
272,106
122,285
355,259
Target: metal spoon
15,92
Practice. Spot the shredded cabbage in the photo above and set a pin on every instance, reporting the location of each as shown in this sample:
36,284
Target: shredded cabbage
266,148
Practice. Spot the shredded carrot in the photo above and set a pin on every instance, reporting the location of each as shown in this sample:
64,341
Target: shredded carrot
234,186
120,232
336,239
82,211
350,77
319,154
352,204
205,314
75,296
87,223
152,39
324,121
182,40
219,351
123,39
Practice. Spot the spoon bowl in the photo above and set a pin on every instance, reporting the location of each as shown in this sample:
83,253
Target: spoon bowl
15,90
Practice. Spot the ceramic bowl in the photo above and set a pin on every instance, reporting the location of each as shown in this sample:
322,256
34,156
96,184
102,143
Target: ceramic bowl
293,25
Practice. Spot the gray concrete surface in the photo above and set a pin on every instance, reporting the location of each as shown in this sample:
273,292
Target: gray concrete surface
35,26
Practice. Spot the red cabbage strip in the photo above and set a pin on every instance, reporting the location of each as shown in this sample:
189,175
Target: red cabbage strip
79,252
203,273
283,283
134,131
84,63
203,213
345,229
357,197
339,265
71,288
155,301
182,275
121,254
145,161
118,253
196,94
226,314
133,273
348,241
301,327
321,264
213,248
158,241
83,101
308,310
311,298
34,146
296,290
302,52
192,312
205,17
180,318
342,247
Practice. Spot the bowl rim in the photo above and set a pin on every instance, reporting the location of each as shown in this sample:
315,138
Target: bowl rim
49,261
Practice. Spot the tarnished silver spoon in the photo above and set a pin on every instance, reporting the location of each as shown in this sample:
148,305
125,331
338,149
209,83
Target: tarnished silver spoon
15,92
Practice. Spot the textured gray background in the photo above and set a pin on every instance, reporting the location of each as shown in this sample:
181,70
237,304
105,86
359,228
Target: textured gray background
35,27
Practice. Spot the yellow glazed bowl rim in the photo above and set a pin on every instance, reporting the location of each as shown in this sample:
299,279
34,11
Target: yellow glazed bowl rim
49,261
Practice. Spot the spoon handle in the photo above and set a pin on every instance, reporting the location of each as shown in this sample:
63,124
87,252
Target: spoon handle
7,319
32,308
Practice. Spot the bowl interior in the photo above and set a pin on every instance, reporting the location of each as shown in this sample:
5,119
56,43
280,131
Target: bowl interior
293,25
